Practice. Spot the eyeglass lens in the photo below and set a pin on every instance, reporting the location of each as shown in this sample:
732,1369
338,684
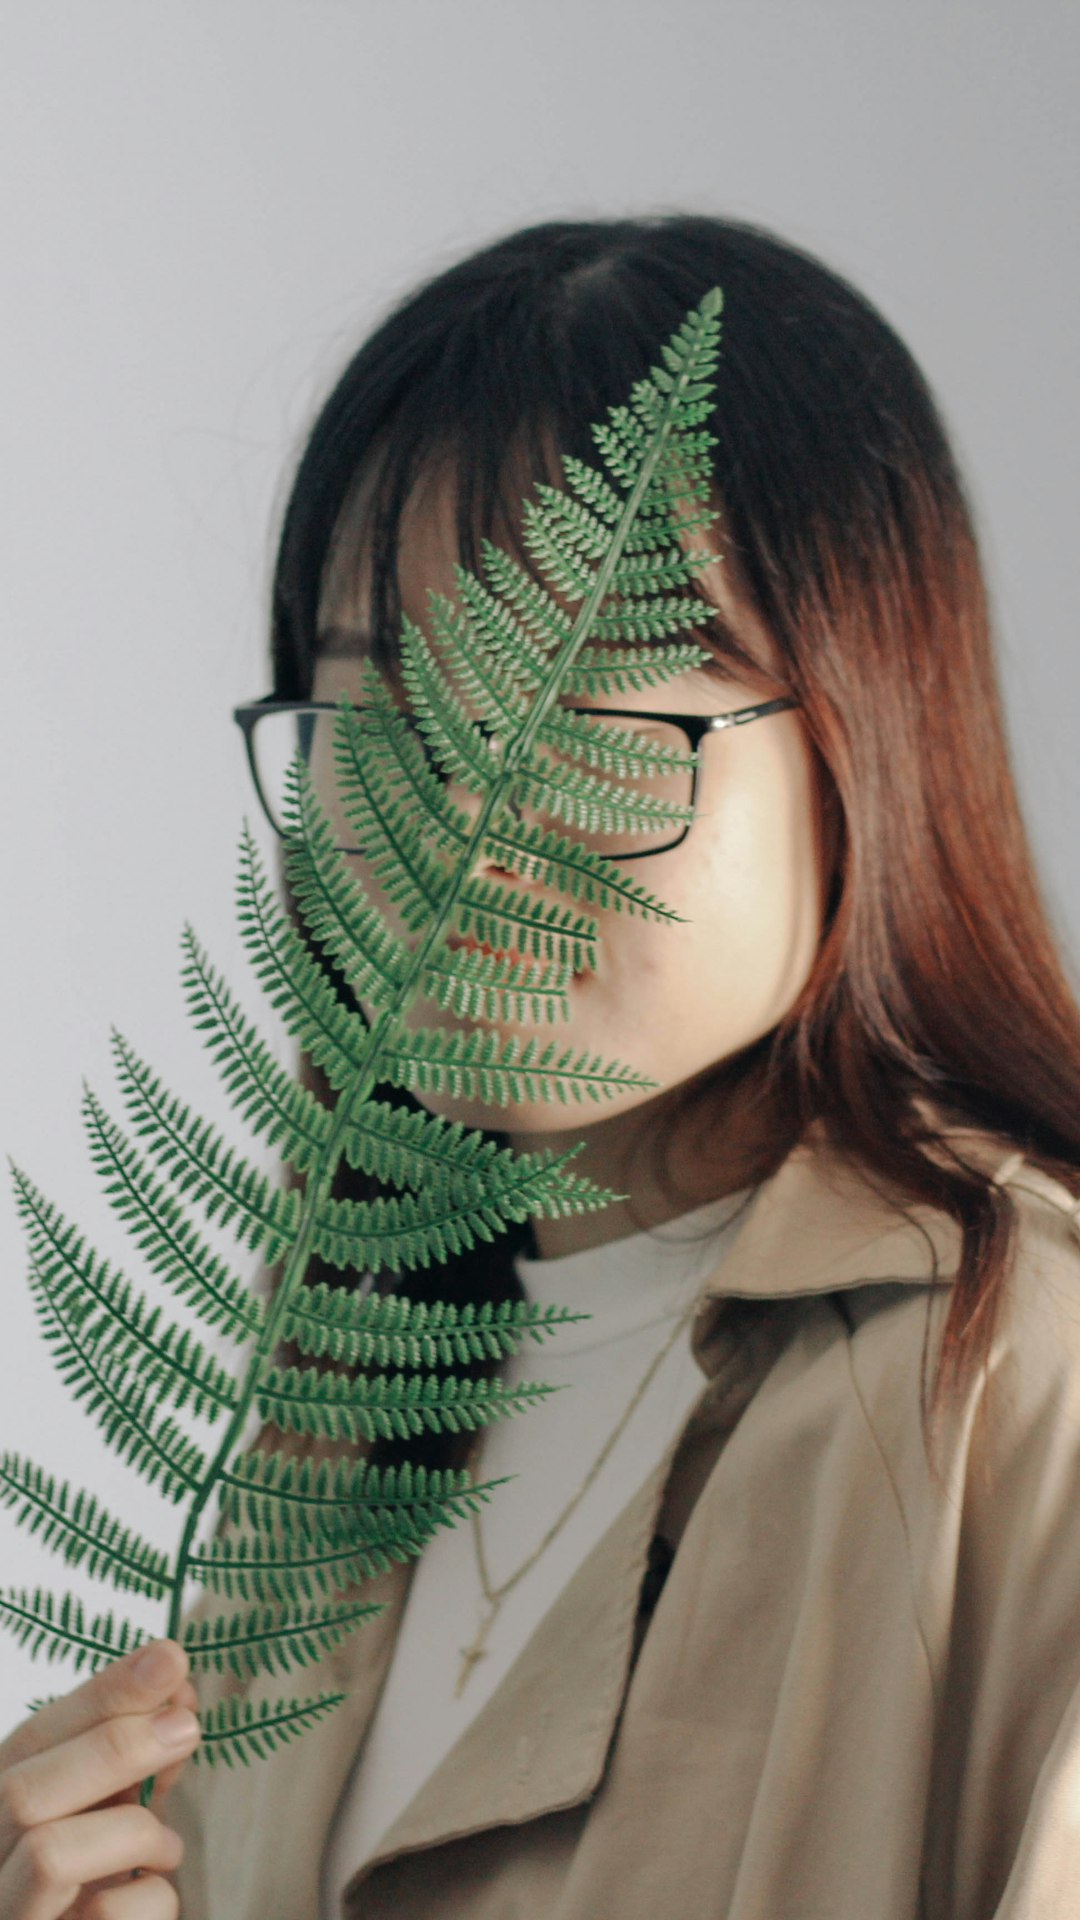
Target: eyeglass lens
665,787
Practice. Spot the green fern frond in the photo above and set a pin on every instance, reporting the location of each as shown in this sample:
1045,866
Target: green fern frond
542,619
563,541
573,524
334,1036
557,861
422,1149
266,1640
608,670
56,1626
594,491
585,800
271,1492
246,1730
653,572
198,1162
387,786
415,919
469,983
262,1092
650,619
116,1326
461,747
495,697
397,1406
480,986
299,1530
74,1524
502,1073
414,1230
500,917
513,658
157,1223
613,749
384,1330
273,1570
373,959
158,1449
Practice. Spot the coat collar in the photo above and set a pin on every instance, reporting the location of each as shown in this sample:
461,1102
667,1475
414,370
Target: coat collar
820,1223
540,1741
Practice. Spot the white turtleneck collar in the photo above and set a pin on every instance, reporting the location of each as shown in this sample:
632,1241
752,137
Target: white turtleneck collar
635,1289
629,1284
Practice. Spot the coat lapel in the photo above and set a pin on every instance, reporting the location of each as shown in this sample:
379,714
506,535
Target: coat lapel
255,1835
541,1740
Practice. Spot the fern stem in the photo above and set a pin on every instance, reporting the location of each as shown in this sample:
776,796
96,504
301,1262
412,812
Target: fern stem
318,1186
316,1191
544,701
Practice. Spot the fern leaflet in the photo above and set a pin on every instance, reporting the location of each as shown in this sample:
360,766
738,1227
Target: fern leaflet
485,693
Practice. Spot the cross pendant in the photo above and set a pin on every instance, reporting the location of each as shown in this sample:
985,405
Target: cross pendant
470,1655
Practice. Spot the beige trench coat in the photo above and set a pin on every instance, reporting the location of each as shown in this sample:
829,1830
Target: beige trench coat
858,1697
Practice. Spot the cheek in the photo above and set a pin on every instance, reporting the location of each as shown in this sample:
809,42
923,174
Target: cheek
749,888
763,887
675,999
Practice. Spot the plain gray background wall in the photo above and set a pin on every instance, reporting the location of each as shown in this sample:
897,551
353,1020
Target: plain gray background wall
206,205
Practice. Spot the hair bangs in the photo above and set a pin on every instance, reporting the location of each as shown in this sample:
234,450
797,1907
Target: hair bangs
495,387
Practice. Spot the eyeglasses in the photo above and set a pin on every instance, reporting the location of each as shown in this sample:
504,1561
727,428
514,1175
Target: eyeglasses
274,730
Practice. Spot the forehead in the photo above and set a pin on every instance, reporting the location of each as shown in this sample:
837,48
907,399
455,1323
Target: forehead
427,546
428,549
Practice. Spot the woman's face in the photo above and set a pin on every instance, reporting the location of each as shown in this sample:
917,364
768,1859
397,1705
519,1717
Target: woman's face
750,880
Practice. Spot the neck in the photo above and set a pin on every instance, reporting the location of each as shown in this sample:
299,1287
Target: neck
667,1155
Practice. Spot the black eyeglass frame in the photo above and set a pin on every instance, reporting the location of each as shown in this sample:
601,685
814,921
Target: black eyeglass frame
694,725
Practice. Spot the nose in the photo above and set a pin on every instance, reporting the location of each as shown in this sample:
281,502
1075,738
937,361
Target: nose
487,863
469,802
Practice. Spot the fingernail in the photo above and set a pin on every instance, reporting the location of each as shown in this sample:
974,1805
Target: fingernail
177,1727
156,1665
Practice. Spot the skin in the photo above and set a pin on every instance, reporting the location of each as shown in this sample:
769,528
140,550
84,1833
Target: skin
71,1826
750,880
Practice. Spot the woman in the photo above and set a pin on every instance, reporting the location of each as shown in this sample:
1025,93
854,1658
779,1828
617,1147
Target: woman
782,1615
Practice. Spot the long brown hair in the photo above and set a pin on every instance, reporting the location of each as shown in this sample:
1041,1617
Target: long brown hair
939,998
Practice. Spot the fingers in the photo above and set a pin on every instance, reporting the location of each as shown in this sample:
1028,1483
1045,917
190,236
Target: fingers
149,1899
166,1777
138,1683
89,1767
51,1865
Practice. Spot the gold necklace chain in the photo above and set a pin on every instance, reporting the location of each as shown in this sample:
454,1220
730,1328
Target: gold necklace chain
495,1596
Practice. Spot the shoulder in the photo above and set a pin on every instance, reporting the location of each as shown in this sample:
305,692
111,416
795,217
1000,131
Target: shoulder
1034,1366
1048,1223
1026,1400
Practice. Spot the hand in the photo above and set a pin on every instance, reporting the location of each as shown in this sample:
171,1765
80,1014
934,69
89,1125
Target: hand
71,1827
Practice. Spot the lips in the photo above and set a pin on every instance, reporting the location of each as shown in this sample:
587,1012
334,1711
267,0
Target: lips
462,943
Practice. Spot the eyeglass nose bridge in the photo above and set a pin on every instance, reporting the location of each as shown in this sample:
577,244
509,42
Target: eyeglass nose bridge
695,726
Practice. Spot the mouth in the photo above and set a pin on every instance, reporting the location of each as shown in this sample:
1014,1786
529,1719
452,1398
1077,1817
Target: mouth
464,943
